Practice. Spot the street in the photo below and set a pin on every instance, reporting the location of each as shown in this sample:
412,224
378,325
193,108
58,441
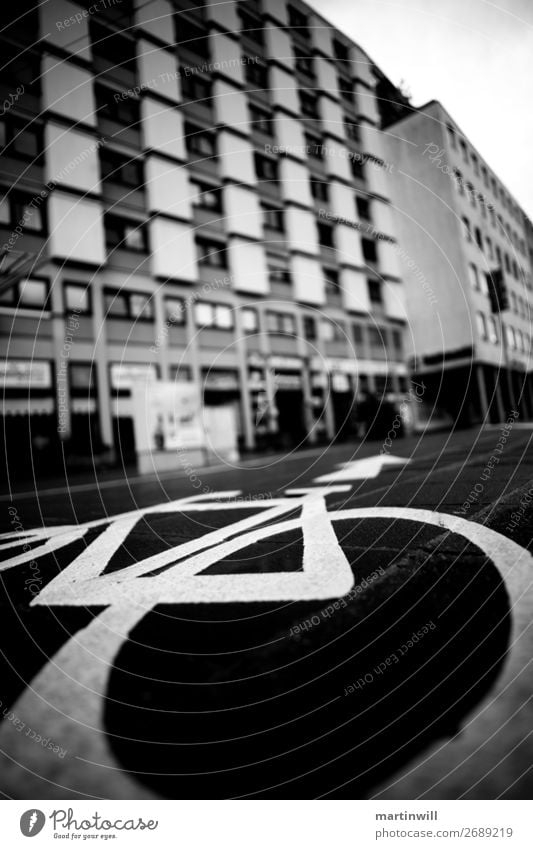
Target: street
341,623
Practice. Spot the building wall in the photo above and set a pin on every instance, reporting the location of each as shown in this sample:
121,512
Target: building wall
130,153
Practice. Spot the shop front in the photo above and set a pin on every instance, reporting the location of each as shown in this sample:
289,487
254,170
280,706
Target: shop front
29,424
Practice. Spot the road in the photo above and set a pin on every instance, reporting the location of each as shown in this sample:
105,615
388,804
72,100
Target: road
340,623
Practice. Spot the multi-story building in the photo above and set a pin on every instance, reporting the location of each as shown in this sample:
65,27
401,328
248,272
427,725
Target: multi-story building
457,225
192,191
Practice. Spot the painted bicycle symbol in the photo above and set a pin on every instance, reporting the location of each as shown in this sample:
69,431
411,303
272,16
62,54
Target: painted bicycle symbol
66,697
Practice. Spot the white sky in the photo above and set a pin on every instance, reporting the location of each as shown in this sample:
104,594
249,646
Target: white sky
475,56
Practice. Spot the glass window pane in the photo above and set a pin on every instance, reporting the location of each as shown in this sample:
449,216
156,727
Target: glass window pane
175,310
133,237
32,293
224,317
249,320
203,315
5,215
115,304
77,298
140,306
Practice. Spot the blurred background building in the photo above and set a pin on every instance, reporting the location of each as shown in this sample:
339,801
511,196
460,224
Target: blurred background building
232,194
200,193
468,271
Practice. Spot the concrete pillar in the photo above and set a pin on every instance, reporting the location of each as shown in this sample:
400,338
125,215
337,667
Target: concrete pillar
246,401
102,370
482,390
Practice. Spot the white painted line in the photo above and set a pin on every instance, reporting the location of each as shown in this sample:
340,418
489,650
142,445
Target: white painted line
369,467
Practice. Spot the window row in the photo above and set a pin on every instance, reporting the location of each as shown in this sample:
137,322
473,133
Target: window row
489,181
487,210
493,251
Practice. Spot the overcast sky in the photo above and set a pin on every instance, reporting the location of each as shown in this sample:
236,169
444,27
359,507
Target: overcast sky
475,56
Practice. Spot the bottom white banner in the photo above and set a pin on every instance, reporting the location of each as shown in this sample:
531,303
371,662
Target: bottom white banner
262,824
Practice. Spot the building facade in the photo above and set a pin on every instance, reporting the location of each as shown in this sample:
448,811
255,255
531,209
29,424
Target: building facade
457,225
193,191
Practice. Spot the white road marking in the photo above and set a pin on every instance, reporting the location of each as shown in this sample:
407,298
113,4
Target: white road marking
369,467
66,699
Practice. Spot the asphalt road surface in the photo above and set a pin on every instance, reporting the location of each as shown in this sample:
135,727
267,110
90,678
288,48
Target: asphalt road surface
340,623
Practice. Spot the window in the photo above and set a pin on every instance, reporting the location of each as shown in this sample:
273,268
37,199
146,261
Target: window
471,193
363,209
499,255
464,150
377,343
319,189
23,140
492,329
278,270
507,263
451,136
479,238
29,294
189,36
474,277
356,164
345,91
114,47
123,111
77,297
195,88
375,293
309,328
120,303
511,338
125,233
325,234
309,104
520,341
265,168
118,168
352,130
475,164
200,142
459,181
482,205
331,276
485,175
358,337
272,218
261,120
256,73
298,21
21,67
369,250
174,310
331,331
218,316
211,253
281,323
341,50
304,65
481,325
249,320
314,146
206,196
26,212
397,344
251,26
466,229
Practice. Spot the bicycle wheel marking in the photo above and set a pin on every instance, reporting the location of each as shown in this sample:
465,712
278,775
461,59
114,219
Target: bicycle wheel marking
66,698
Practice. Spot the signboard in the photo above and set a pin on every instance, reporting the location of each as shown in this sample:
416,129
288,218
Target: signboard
123,375
166,415
23,373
